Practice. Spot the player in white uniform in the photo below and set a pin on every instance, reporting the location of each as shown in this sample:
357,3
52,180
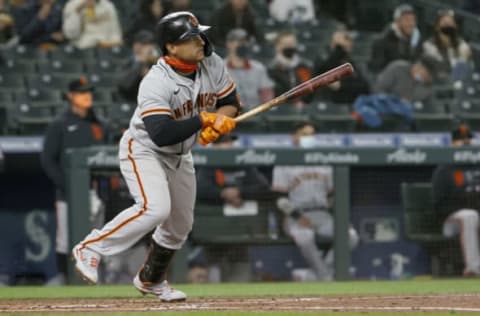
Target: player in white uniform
176,101
309,189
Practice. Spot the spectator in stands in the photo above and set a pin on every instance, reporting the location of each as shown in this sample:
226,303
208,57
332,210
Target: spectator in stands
77,127
146,18
400,40
253,84
288,69
7,27
44,25
453,54
408,81
90,23
234,14
235,187
292,11
348,89
456,197
309,192
144,56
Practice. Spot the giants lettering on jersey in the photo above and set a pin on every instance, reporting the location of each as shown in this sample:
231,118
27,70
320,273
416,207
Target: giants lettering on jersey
204,101
303,177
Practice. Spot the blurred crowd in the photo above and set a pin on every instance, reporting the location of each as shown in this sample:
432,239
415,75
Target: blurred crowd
402,67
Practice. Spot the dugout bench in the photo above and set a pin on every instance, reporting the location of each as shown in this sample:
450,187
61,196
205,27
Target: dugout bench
80,162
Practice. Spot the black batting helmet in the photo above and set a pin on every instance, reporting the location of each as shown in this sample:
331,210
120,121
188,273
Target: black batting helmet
180,26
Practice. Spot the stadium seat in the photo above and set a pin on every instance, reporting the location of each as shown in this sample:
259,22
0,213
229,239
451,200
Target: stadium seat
103,66
49,81
120,114
23,52
71,53
422,225
331,117
102,96
11,82
254,125
29,119
103,80
114,54
282,119
469,112
19,67
39,97
58,66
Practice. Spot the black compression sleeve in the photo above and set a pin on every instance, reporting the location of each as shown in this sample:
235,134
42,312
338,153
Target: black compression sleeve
231,99
165,131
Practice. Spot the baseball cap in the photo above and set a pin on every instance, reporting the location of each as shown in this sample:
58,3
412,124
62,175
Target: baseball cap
237,35
226,138
144,37
462,131
402,9
80,85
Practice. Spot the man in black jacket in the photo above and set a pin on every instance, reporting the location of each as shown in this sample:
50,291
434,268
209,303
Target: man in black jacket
400,40
347,89
144,56
456,196
77,127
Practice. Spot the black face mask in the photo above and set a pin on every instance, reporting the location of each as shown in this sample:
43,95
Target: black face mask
243,51
340,52
450,31
289,52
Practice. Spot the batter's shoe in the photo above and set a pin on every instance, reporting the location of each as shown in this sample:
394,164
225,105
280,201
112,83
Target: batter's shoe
86,263
163,290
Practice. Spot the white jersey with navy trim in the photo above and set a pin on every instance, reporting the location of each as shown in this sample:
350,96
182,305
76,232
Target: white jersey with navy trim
165,92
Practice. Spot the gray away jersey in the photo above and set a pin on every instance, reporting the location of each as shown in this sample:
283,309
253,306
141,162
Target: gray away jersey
164,92
307,187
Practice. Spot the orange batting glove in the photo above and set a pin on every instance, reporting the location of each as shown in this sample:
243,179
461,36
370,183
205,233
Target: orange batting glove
220,123
207,136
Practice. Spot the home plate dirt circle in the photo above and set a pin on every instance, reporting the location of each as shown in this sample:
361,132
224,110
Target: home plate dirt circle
367,303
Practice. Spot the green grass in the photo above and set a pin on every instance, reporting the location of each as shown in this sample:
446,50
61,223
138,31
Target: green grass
410,287
256,289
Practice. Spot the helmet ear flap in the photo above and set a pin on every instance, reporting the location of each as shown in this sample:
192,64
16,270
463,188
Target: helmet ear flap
208,48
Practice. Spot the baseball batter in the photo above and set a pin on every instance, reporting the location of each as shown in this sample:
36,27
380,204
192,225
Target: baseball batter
176,101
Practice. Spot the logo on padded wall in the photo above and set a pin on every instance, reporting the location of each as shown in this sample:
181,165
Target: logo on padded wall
403,155
466,156
331,157
259,158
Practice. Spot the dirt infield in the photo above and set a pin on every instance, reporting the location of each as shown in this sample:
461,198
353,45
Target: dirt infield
427,303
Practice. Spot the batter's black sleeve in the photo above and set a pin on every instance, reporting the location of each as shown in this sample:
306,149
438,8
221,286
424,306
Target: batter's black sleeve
165,131
51,155
231,99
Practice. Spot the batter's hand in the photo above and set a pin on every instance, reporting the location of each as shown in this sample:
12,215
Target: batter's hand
207,136
219,122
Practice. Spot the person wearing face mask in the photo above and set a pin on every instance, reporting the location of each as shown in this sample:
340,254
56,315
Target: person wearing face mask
408,81
456,199
77,127
453,54
254,86
309,193
347,89
400,40
288,69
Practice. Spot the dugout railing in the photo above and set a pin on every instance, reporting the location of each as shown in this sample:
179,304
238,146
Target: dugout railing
81,162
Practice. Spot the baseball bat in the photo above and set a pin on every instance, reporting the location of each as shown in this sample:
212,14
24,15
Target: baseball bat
302,89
